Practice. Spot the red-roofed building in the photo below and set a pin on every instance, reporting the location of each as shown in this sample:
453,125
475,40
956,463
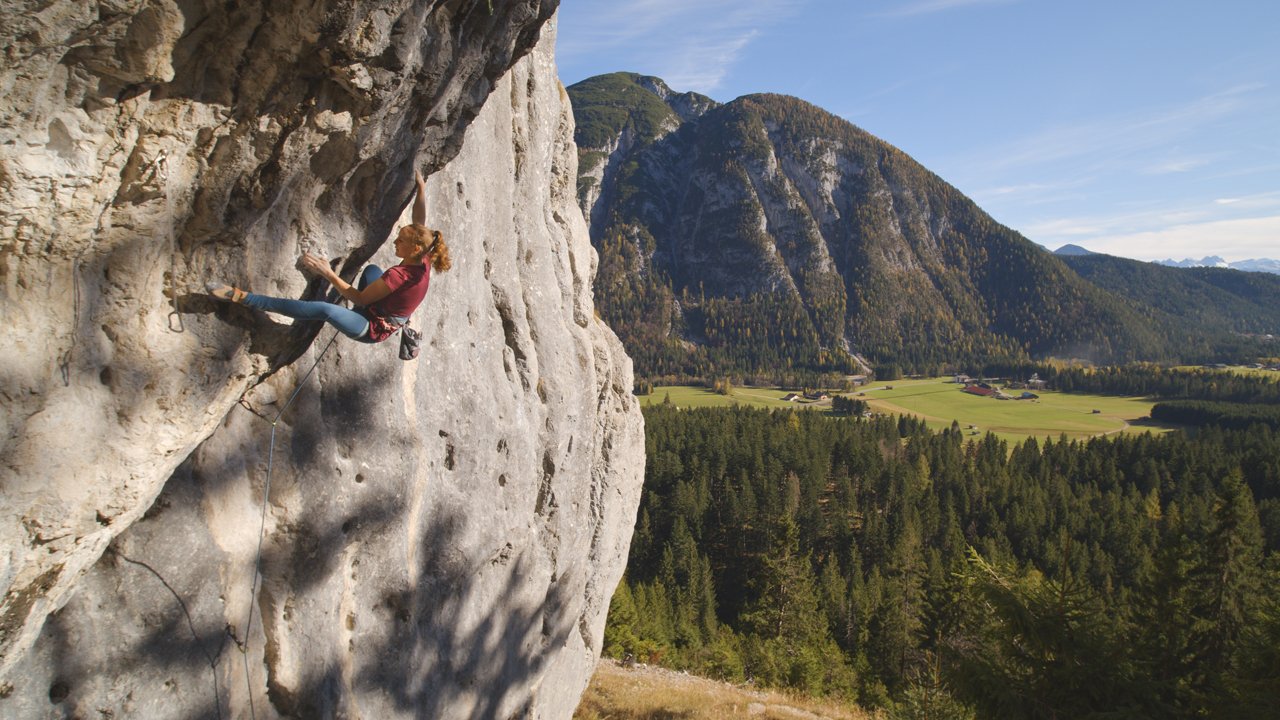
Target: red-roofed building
981,389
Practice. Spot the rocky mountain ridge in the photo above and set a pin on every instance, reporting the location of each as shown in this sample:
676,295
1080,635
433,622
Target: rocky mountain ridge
765,233
765,236
441,537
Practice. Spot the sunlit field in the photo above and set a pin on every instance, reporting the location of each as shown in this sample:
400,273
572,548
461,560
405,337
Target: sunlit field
939,402
692,396
1234,370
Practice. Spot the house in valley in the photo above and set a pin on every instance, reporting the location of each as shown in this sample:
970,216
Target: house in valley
979,389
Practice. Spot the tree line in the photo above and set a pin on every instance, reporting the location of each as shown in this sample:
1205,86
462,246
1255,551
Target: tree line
1147,380
905,568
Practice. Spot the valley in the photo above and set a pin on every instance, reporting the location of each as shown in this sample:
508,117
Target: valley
947,554
938,401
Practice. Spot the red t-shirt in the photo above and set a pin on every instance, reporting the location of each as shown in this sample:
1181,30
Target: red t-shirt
408,285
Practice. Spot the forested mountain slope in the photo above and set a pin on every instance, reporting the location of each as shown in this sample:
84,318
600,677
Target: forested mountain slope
766,236
1211,300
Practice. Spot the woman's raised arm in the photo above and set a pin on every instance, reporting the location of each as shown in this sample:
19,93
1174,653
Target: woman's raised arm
420,199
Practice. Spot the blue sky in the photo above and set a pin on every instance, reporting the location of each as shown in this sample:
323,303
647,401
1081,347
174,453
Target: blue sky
1142,128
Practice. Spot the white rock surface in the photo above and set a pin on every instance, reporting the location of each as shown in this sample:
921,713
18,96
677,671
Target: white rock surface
442,536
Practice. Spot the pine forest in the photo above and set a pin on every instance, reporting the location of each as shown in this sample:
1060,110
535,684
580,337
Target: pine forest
877,560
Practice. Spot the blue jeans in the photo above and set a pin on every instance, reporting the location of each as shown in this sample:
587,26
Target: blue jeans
348,322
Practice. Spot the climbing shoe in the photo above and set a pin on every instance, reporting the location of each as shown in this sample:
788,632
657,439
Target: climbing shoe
225,293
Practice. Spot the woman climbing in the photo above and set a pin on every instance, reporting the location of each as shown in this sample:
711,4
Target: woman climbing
383,301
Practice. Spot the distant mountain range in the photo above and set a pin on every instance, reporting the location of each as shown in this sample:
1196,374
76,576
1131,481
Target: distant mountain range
1254,265
766,235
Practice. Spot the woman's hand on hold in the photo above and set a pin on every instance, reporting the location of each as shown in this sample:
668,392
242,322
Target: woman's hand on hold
316,265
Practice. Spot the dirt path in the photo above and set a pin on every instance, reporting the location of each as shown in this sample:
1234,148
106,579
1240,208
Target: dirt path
887,406
646,692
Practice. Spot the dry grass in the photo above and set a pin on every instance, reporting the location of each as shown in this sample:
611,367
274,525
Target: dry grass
651,693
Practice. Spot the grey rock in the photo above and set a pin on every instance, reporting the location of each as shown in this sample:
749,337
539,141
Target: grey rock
442,537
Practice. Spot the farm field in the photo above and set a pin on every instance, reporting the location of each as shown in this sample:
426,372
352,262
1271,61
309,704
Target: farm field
695,396
938,402
1232,370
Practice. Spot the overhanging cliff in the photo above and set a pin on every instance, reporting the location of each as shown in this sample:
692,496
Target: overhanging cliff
443,535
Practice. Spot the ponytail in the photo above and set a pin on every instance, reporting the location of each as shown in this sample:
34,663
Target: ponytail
439,252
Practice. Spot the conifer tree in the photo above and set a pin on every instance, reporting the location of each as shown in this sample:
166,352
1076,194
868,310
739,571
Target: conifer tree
1038,648
793,643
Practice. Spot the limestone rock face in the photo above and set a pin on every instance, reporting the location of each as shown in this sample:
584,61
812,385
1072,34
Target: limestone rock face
441,536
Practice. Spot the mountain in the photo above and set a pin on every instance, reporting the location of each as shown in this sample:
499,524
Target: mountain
1253,265
1072,250
1207,261
1257,265
768,236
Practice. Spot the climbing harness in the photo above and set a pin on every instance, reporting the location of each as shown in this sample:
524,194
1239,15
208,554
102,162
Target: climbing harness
262,528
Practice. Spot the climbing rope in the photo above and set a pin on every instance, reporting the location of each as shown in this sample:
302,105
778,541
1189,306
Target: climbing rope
64,362
266,494
212,659
243,645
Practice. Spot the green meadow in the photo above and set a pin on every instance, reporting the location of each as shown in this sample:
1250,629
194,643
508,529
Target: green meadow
1231,370
694,396
939,402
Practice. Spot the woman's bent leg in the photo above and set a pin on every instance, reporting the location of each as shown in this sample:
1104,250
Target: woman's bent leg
348,322
368,275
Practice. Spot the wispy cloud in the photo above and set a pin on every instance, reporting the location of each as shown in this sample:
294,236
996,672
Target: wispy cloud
1252,202
1048,232
691,45
1121,223
1175,166
1234,228
866,103
1233,240
1118,139
1238,172
928,7
703,66
1093,163
1031,193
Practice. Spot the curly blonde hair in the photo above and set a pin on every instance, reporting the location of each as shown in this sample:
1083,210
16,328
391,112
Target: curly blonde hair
429,242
